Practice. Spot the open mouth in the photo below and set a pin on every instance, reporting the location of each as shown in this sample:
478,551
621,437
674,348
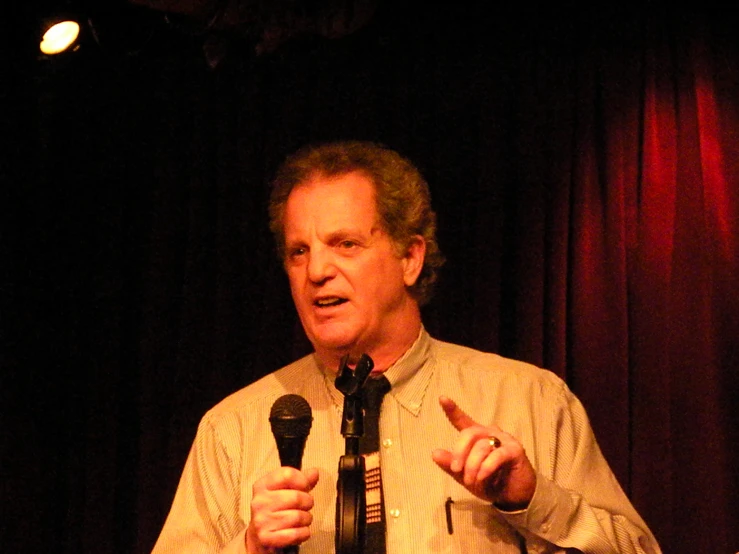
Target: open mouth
329,302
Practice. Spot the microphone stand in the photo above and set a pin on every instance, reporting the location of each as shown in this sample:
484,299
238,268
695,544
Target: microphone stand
351,519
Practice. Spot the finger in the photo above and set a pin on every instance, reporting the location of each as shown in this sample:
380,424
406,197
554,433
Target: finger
285,478
492,465
285,528
480,453
274,542
280,518
456,416
289,519
466,441
270,502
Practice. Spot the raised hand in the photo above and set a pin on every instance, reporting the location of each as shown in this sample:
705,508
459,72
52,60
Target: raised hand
487,461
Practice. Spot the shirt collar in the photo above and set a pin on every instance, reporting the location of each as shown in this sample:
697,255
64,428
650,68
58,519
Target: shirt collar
409,376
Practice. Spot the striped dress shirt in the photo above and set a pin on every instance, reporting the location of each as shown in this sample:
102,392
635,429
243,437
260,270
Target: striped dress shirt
577,505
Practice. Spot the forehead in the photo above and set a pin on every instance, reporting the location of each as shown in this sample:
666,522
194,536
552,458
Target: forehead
331,201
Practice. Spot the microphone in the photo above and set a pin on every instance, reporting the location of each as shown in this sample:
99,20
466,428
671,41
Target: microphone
290,419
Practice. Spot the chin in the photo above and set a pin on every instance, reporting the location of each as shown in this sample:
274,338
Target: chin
339,342
338,345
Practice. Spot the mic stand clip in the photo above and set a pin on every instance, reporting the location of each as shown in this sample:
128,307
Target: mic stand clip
351,506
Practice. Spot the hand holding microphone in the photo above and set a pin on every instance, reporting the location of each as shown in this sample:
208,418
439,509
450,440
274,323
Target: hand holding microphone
281,501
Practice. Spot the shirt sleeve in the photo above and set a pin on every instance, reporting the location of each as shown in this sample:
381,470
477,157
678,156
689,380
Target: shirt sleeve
578,504
204,517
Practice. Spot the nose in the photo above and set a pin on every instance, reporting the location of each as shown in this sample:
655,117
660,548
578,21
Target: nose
321,265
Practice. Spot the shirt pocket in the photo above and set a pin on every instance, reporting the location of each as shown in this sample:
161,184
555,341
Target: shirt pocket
474,525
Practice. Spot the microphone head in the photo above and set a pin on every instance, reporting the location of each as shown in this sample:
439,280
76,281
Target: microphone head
291,417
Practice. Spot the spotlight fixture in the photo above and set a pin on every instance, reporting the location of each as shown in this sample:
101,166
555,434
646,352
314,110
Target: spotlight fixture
60,35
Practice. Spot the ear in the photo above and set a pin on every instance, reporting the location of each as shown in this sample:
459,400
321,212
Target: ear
413,260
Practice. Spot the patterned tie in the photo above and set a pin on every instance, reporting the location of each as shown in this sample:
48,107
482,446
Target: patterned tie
369,445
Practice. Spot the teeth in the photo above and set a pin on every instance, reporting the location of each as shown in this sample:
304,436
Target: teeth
328,301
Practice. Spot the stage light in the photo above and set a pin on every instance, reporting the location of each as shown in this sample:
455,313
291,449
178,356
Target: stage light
59,37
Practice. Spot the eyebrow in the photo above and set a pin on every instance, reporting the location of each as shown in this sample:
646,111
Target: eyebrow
343,232
340,233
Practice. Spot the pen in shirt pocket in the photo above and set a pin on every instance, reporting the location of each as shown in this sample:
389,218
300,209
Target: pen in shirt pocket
448,510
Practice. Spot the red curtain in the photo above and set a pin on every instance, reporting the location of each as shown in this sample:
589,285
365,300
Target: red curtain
652,281
683,296
616,263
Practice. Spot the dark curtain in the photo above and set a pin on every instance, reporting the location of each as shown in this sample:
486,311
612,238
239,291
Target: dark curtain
585,170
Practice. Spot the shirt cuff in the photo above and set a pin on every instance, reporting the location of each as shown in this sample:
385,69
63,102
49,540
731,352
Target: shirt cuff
546,514
237,544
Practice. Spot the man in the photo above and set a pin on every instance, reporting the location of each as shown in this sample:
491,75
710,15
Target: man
521,473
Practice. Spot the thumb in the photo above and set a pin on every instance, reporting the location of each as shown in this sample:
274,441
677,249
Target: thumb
443,459
312,476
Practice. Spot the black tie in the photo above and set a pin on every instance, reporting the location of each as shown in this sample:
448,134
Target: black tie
372,395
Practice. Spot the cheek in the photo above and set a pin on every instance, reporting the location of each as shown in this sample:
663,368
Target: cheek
387,280
296,287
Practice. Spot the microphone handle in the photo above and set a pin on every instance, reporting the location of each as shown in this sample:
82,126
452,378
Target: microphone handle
290,450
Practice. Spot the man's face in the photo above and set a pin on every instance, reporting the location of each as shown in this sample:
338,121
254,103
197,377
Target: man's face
348,282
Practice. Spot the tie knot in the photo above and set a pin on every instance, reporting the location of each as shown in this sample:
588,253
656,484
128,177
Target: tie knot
373,392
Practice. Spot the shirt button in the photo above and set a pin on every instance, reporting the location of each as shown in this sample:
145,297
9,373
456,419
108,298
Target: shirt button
395,513
387,443
546,527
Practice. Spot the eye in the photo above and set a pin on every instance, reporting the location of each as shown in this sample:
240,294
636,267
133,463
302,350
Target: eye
296,252
346,244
